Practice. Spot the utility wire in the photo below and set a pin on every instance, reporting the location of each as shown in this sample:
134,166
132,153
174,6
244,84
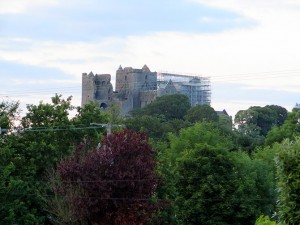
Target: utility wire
22,93
128,198
227,77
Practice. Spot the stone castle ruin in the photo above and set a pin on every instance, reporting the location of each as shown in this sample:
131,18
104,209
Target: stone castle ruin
136,88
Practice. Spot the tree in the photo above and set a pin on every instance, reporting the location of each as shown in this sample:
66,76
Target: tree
264,118
112,184
254,124
204,133
156,127
265,157
188,138
265,220
201,113
218,187
290,129
225,121
208,182
20,194
90,115
150,124
281,114
170,106
8,114
288,172
47,136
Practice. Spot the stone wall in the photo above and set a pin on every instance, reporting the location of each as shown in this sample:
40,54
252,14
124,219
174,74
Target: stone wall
88,88
136,88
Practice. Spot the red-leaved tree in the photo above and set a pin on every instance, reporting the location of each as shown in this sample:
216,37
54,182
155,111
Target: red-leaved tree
112,184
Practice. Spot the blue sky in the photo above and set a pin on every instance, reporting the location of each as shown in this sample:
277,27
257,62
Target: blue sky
93,20
249,48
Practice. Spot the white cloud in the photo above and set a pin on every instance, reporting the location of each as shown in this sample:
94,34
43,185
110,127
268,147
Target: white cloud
273,44
23,6
222,21
25,82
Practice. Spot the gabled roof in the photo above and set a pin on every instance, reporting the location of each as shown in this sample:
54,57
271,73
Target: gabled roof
222,112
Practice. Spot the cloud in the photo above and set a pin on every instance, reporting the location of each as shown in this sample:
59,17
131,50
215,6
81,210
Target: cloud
252,8
22,6
92,20
230,41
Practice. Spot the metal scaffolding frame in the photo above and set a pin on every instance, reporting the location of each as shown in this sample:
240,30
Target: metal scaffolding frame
196,87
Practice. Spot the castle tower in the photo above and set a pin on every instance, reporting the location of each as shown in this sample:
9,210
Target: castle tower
88,88
103,90
130,82
97,88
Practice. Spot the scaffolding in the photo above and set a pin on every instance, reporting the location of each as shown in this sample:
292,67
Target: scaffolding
197,88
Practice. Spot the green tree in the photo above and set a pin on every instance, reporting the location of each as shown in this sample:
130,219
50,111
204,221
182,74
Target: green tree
290,129
225,121
208,183
281,114
254,124
9,112
168,156
288,172
264,118
170,106
265,156
201,113
157,127
48,136
20,194
150,124
265,220
215,186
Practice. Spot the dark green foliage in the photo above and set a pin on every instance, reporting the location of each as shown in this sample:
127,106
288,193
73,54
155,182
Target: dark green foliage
157,128
248,138
265,157
20,194
215,186
201,113
264,118
225,121
169,106
281,114
290,129
209,184
174,126
254,124
8,114
288,172
46,138
205,185
149,124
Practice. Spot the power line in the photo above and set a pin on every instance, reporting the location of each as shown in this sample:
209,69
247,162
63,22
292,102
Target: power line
129,198
226,78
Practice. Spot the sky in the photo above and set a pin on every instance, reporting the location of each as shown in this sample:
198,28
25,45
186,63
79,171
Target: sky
249,49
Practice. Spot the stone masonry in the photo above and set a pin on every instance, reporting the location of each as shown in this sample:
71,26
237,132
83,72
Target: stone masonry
136,88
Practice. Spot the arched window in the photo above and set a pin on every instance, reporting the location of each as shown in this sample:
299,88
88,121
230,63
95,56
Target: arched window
103,105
